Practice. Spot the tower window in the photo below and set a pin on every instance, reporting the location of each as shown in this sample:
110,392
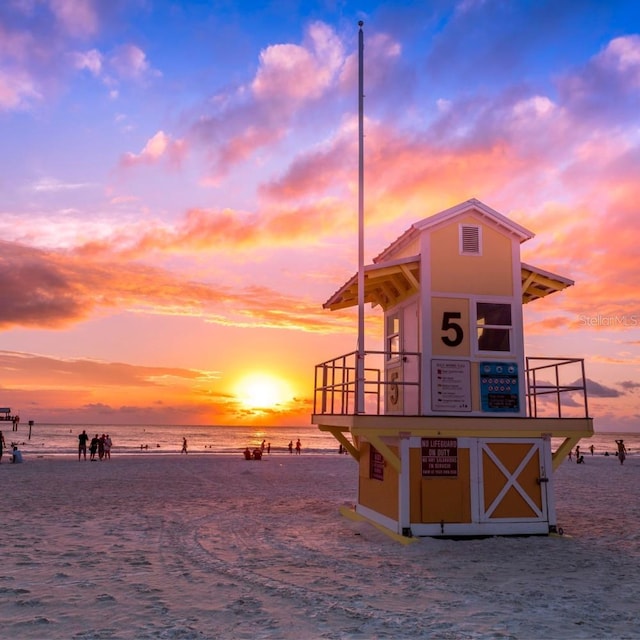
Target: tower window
393,336
493,321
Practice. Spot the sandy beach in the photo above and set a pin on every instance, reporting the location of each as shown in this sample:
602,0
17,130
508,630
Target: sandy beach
202,546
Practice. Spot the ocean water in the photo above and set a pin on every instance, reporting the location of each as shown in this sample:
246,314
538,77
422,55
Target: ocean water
163,439
605,443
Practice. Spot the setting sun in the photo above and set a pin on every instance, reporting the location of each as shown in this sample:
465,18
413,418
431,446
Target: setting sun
263,391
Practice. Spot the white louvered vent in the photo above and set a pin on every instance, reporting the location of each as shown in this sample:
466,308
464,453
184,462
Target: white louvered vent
470,239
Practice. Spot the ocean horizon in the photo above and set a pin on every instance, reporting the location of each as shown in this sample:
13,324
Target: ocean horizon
62,438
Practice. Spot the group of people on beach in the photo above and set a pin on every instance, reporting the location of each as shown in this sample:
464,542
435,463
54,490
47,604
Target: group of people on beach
580,456
99,446
621,452
265,446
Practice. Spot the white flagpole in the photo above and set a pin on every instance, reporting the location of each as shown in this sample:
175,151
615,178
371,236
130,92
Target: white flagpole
360,379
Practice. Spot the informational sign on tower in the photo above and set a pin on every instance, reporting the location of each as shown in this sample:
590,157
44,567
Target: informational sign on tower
499,387
450,385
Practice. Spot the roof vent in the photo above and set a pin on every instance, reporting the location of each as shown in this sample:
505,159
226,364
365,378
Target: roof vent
470,239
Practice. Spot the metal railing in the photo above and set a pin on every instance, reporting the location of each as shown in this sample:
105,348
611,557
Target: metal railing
336,383
540,387
335,386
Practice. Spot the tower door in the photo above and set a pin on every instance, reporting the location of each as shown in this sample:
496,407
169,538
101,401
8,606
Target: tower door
402,365
411,362
514,481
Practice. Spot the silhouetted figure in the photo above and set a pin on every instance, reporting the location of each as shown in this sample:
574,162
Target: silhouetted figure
83,438
622,451
93,447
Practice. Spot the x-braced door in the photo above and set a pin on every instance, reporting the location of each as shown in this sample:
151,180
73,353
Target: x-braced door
514,480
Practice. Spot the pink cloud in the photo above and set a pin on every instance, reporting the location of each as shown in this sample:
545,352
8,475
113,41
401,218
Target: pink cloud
91,60
605,89
623,56
17,90
289,77
34,48
16,45
291,72
242,146
159,147
77,17
318,171
130,62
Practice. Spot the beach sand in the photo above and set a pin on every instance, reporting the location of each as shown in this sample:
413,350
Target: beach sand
206,546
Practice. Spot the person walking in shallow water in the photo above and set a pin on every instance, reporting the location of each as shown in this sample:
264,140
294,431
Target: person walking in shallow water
184,445
3,444
622,451
298,446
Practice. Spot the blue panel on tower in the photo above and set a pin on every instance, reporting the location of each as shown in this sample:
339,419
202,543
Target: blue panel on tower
499,387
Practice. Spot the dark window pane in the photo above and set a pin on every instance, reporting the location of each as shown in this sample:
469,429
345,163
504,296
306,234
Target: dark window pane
494,313
493,339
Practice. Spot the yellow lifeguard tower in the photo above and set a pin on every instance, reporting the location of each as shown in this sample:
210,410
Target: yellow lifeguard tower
460,433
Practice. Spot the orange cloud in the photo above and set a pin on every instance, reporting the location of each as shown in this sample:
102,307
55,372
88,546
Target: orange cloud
55,290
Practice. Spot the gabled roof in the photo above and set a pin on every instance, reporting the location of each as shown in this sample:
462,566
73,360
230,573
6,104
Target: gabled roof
388,283
470,206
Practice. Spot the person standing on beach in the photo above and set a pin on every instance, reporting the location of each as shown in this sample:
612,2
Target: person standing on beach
93,448
82,444
290,446
622,451
298,447
3,444
107,447
184,445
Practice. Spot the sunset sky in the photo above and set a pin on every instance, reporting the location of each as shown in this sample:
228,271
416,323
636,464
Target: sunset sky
178,189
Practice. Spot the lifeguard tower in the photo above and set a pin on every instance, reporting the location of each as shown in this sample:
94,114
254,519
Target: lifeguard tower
460,433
